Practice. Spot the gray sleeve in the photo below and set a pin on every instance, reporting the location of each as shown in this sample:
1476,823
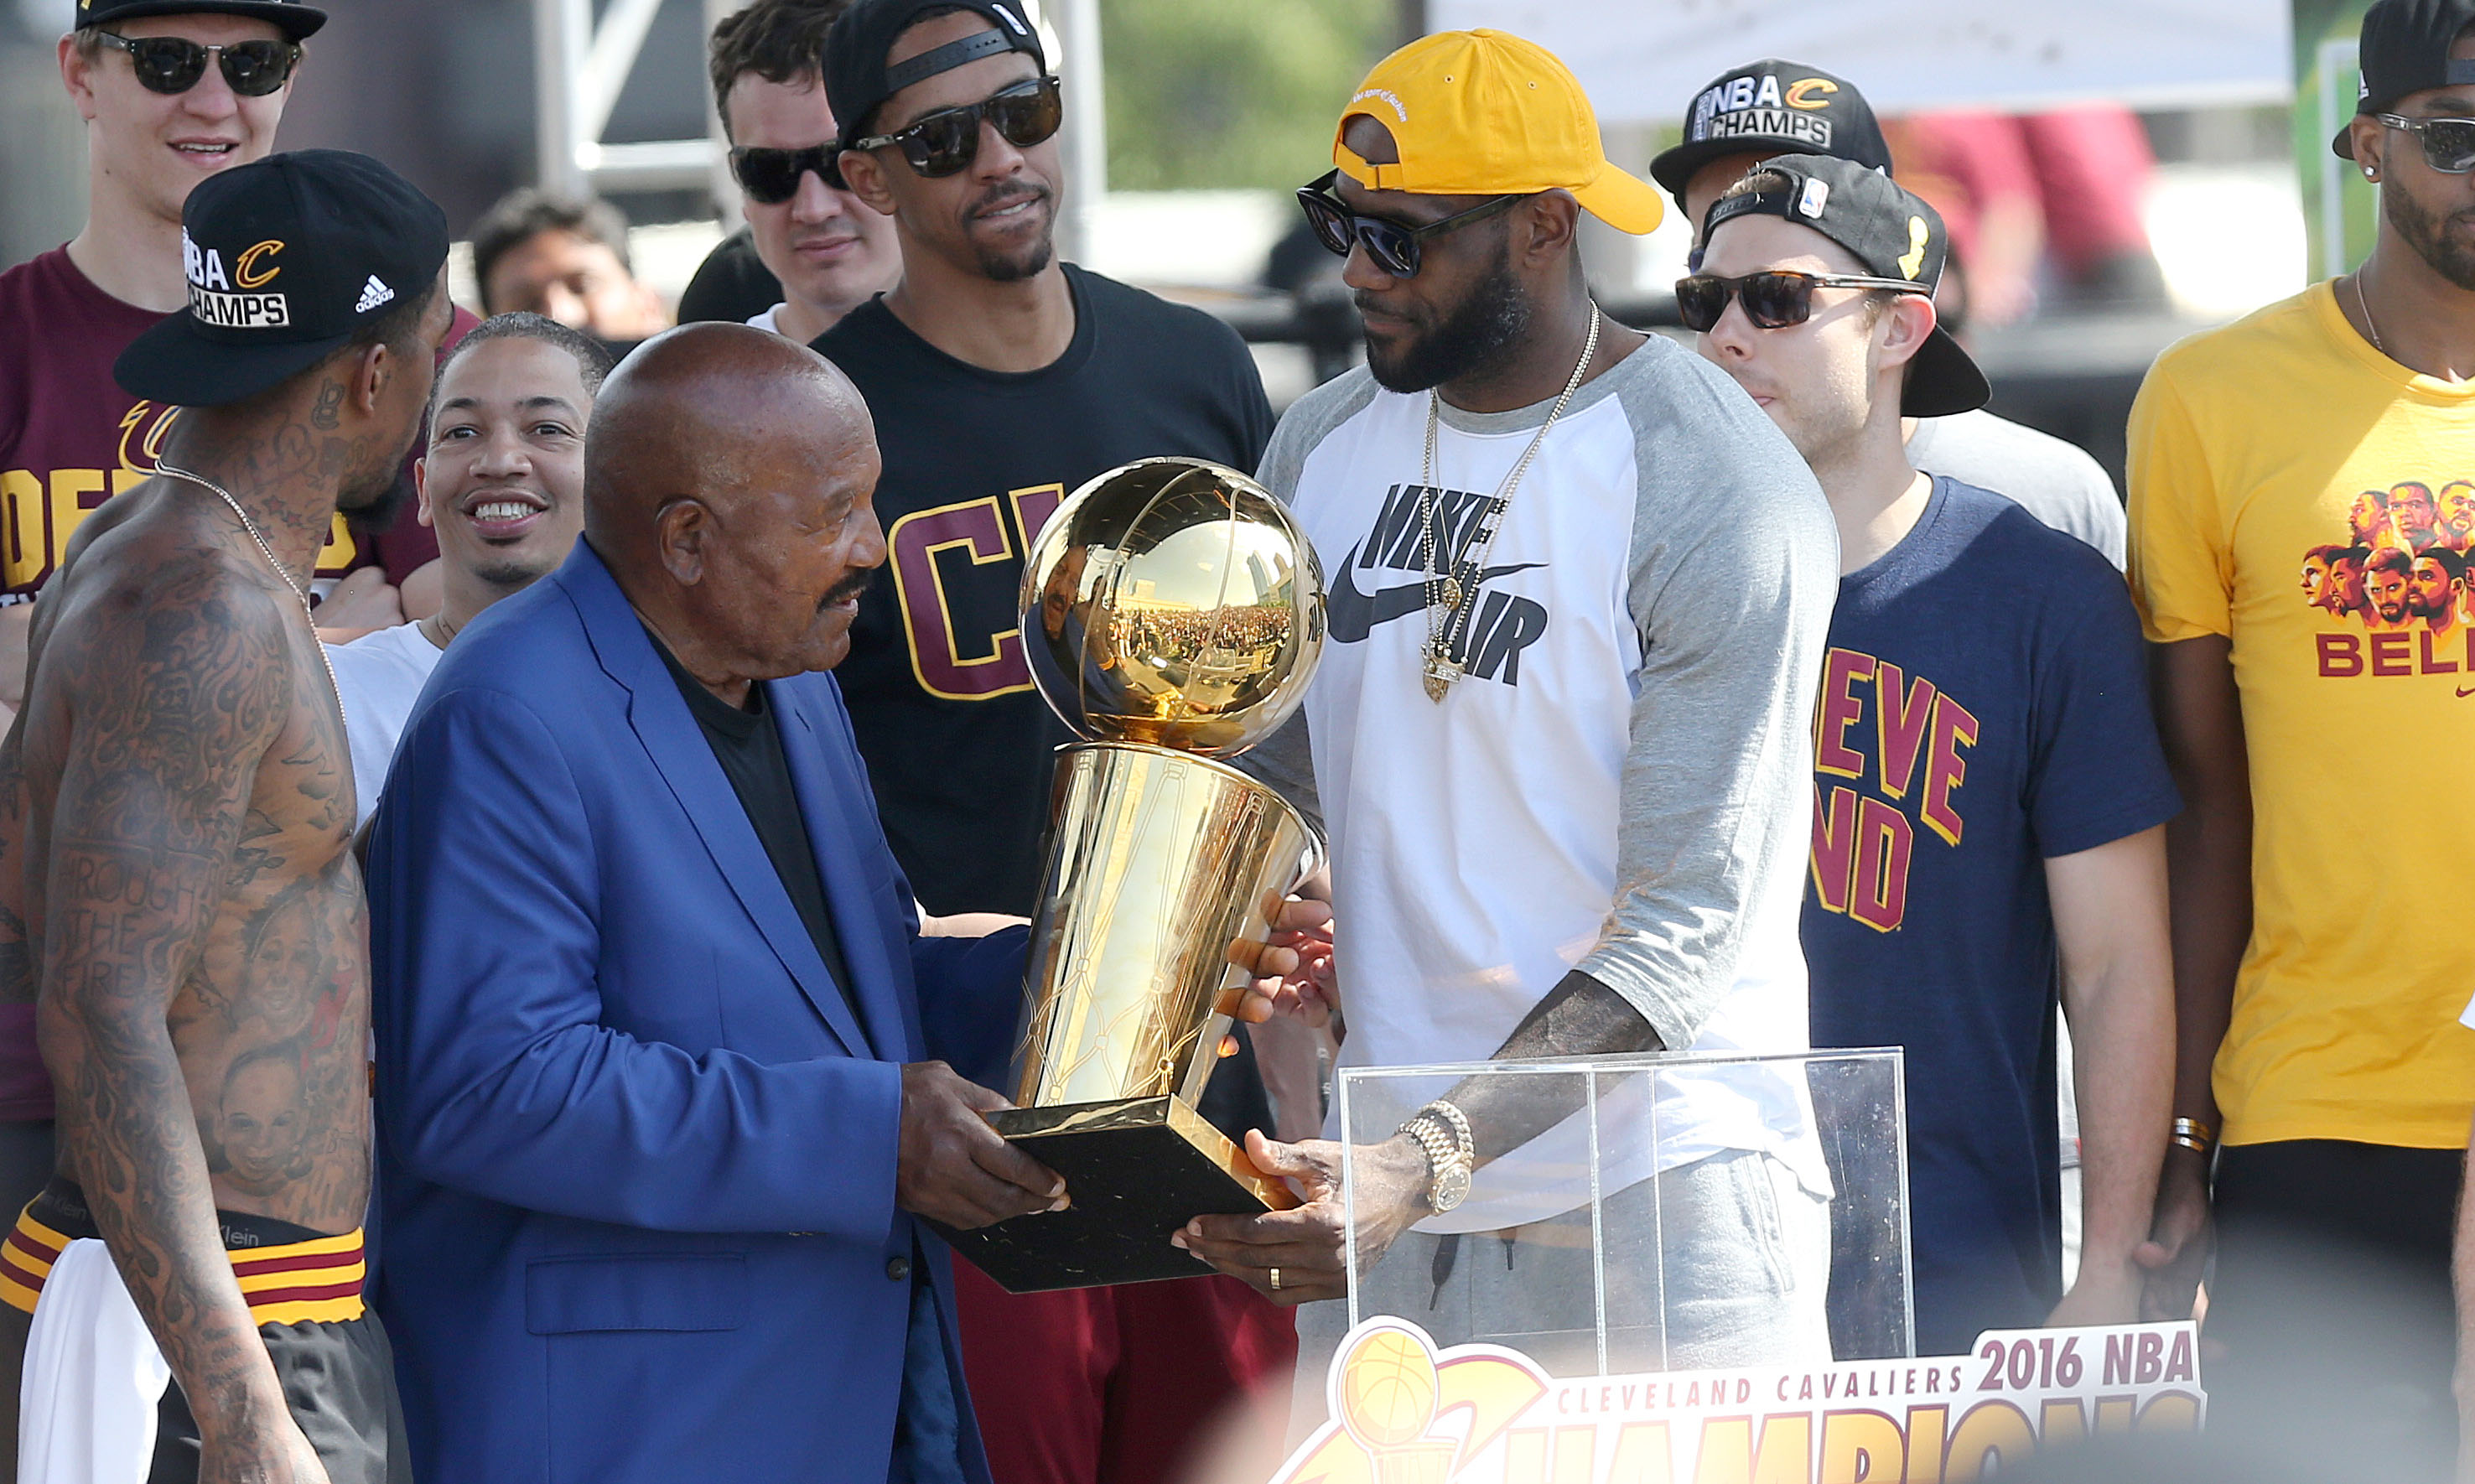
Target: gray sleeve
1286,760
1734,569
2054,480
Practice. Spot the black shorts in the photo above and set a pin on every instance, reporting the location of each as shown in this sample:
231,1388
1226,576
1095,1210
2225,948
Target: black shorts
338,1379
336,1368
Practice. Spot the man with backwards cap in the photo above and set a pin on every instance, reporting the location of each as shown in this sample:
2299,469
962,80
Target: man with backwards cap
1577,587
1771,108
1002,378
183,829
1988,787
2322,1091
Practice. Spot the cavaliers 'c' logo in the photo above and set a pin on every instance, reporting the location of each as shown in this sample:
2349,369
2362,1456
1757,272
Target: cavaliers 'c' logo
1810,92
245,268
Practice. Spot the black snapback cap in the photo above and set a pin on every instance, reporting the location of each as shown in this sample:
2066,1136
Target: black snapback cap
287,259
1895,233
2405,49
1774,107
857,79
298,21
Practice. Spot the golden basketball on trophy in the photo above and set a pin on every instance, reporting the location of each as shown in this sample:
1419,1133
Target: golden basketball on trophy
1173,614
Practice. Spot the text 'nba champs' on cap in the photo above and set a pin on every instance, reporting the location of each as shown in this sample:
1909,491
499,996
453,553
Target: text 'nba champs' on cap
1894,234
288,258
1774,107
2405,49
1486,113
857,78
297,22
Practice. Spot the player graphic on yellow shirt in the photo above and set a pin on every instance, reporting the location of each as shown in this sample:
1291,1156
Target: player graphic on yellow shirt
2403,564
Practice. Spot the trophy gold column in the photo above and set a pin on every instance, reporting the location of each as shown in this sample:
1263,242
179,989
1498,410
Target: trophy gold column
1172,612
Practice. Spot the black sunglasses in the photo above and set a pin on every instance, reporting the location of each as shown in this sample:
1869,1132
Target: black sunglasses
948,140
772,176
2448,143
173,64
1774,299
1393,246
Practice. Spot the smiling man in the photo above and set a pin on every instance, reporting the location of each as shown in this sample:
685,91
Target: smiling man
1001,379
502,486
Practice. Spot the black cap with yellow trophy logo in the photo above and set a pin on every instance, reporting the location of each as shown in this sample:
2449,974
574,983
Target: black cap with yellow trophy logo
1893,232
287,259
1774,107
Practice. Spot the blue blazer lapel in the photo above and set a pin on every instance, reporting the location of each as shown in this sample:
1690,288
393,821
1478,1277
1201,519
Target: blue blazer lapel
839,830
681,754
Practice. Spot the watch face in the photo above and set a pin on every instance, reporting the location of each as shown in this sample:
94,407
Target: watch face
1452,1187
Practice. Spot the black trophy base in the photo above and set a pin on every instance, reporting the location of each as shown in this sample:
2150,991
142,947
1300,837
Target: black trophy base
1137,1170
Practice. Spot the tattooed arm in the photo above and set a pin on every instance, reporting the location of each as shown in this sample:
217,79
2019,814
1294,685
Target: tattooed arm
179,690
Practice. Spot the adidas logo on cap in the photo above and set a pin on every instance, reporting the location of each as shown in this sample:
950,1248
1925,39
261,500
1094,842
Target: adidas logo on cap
373,294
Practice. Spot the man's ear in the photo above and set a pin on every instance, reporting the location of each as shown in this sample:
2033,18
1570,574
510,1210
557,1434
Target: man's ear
2366,134
76,75
863,177
1908,321
681,530
421,491
1552,220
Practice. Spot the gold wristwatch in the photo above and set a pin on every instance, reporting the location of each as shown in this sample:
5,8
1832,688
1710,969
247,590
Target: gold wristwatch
1443,1135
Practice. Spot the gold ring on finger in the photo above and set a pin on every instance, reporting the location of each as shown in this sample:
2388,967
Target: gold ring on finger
1276,1280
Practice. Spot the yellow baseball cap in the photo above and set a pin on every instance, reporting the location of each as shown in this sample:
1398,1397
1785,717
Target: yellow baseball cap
1486,113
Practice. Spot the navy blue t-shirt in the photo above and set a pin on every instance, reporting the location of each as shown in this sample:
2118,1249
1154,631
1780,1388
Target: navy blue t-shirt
1984,708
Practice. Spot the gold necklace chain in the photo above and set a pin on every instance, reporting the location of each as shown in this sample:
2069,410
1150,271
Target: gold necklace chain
1448,607
2365,305
307,611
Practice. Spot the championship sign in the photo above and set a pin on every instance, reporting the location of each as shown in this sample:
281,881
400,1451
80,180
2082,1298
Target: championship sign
1405,1413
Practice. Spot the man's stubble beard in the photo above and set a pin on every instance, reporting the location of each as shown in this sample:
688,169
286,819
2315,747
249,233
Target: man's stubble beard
2426,233
1479,335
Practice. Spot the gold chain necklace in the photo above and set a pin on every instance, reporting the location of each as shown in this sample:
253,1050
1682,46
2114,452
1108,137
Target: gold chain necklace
255,534
1447,614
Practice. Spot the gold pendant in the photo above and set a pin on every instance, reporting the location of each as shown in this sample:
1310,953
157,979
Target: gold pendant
1451,596
1440,674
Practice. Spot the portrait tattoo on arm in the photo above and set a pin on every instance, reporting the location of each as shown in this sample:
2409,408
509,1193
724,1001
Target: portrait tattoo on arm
179,692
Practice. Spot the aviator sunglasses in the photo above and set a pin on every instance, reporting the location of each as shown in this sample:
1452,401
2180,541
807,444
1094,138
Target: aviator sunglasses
1393,246
772,176
173,64
1774,299
946,141
2448,143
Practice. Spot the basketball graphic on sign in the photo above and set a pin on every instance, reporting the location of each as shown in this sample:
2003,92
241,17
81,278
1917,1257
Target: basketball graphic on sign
1387,1389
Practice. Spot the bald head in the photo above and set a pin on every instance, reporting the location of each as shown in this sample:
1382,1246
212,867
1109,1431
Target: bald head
727,480
699,410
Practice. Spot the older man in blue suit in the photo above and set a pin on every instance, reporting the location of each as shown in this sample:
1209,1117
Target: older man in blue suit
658,1115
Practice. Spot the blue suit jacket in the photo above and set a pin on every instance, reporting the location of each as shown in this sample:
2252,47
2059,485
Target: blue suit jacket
637,1153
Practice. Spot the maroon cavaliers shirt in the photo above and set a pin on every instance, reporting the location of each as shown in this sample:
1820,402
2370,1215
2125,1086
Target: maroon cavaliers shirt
70,438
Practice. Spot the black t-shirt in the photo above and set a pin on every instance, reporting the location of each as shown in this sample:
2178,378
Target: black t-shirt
750,749
958,744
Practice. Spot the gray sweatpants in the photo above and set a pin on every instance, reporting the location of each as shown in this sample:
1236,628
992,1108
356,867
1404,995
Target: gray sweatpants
1740,1279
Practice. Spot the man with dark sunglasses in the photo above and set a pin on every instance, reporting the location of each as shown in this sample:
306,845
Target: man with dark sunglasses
2319,1058
1576,587
1773,107
828,252
1988,787
1001,379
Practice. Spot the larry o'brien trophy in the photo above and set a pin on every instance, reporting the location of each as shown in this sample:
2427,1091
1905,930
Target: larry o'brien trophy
1173,614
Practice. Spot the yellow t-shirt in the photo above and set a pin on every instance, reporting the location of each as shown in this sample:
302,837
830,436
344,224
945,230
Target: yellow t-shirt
2300,492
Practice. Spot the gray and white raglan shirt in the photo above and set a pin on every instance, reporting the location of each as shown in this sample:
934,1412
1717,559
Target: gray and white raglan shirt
1622,781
